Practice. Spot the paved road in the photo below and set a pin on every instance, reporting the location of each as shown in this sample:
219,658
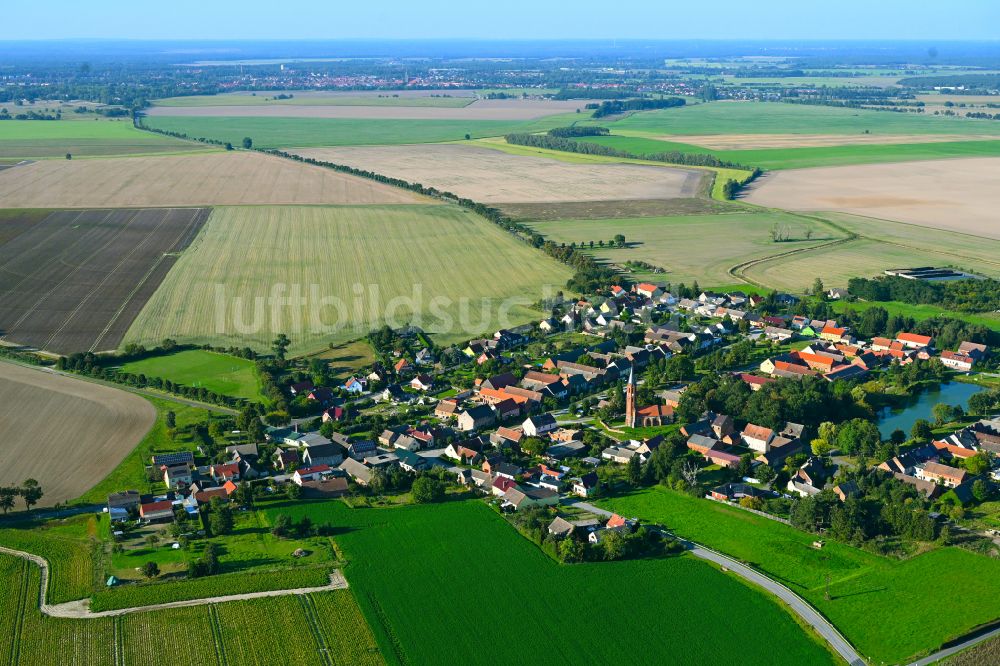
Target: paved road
80,610
941,654
797,604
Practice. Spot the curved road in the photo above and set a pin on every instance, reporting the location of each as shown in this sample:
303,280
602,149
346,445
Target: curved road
797,604
80,609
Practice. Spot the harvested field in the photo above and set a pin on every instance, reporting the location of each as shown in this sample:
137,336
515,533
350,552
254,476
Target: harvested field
187,180
76,280
33,139
13,223
485,109
692,247
66,433
600,210
955,195
761,141
492,176
354,267
371,97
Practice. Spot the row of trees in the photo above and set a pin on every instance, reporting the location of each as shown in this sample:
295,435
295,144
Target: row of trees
617,107
30,492
960,295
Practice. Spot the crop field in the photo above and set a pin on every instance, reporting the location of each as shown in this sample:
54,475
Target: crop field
96,428
800,157
445,98
491,176
347,358
320,629
694,247
984,654
228,375
13,223
68,545
434,266
316,132
889,609
621,208
954,195
231,178
457,109
35,139
544,604
76,280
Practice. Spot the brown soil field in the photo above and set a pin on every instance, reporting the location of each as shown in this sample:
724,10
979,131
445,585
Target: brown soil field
13,223
75,280
484,109
601,210
234,178
492,176
954,195
66,433
755,141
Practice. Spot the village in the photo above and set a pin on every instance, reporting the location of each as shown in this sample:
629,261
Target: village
542,435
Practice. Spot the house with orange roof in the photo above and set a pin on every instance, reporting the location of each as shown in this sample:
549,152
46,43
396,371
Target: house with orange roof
757,437
914,341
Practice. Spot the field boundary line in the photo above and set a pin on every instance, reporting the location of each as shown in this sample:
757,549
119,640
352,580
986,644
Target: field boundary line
309,609
217,638
80,609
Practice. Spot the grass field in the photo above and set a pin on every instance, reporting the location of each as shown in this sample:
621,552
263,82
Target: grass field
315,132
317,629
223,374
347,358
96,429
890,609
354,266
211,179
74,281
800,157
461,561
918,312
693,247
38,139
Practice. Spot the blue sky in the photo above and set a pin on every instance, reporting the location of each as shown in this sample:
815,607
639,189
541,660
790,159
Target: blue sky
504,19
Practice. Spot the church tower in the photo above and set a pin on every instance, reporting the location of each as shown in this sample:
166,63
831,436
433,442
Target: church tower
630,406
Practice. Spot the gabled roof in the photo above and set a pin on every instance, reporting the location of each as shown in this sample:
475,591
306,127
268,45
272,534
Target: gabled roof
752,431
914,338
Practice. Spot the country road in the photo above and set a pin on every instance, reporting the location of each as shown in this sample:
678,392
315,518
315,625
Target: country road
797,604
80,610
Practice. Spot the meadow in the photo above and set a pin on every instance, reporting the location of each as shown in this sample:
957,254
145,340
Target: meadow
889,609
468,572
96,428
221,373
38,139
918,311
211,179
315,132
694,247
435,266
325,629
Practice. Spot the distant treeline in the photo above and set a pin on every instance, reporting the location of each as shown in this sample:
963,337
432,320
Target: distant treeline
587,148
567,132
618,107
596,93
968,81
960,295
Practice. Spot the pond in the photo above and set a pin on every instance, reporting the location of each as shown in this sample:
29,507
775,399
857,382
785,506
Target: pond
920,406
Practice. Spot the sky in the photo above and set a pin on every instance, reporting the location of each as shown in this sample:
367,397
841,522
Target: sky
504,19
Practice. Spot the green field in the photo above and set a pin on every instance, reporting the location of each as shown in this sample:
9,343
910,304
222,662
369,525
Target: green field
321,629
355,266
313,99
38,139
312,132
918,311
69,545
889,609
221,373
438,582
694,247
780,118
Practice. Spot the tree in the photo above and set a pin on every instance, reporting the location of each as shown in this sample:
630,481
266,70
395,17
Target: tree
571,550
820,446
150,570
244,495
427,489
942,413
293,491
282,525
978,464
614,545
921,430
755,503
280,346
69,156
980,490
7,499
818,289
634,471
152,540
31,492
171,420
221,520
247,143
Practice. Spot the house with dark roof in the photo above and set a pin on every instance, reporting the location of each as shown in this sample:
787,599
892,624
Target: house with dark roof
474,418
536,426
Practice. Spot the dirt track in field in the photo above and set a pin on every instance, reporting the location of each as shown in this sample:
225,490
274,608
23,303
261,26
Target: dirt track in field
763,141
492,176
954,195
484,109
66,433
232,178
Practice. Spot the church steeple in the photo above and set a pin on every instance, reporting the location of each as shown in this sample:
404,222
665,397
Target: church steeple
630,400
